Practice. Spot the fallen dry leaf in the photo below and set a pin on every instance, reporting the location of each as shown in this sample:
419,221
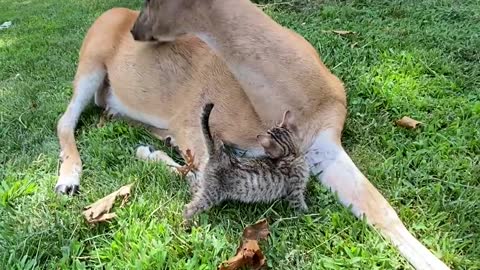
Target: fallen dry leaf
101,121
99,211
341,32
189,163
104,118
408,122
103,218
249,253
257,231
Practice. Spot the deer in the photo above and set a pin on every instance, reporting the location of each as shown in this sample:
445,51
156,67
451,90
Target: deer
160,66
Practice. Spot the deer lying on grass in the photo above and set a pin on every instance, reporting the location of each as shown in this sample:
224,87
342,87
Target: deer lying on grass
230,53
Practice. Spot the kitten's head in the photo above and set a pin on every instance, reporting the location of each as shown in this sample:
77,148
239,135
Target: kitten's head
281,140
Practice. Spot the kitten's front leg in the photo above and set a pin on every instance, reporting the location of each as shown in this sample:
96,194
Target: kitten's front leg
194,180
201,202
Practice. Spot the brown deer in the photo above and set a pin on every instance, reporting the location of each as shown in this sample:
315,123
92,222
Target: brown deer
185,53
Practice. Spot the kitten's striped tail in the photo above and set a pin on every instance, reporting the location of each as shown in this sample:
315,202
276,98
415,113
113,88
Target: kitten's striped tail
209,140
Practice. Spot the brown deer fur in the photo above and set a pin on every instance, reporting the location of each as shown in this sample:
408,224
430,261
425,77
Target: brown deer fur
230,53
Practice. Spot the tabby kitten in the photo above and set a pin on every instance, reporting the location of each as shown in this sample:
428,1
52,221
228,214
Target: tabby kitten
283,173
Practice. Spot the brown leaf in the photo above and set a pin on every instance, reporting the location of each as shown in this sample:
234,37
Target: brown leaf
103,218
189,163
99,211
249,253
124,200
408,122
104,117
257,231
341,32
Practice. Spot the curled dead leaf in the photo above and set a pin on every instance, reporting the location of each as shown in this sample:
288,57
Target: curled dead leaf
101,121
99,211
257,231
104,118
189,163
249,253
408,122
103,218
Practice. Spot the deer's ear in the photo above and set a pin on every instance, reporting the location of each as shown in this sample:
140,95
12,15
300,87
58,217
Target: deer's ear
272,149
288,121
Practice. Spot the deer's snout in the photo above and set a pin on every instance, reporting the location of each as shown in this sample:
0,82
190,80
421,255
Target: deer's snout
138,33
134,34
141,31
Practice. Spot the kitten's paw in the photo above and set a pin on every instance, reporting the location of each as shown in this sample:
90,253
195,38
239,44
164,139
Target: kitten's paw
187,225
299,206
188,212
303,208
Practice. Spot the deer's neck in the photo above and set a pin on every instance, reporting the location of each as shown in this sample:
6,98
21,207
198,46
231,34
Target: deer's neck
263,56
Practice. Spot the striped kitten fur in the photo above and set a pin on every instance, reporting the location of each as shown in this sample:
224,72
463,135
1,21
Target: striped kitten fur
283,173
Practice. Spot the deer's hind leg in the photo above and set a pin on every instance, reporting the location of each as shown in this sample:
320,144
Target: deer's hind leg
335,169
147,153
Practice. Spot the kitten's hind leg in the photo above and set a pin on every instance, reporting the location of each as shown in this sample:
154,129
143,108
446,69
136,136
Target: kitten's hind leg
296,191
149,154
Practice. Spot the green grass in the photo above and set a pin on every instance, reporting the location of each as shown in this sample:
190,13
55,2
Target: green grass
415,58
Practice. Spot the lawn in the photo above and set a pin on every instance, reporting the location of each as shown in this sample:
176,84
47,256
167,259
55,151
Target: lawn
415,58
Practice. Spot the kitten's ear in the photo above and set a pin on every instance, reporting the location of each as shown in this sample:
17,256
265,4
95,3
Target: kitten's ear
288,121
272,149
